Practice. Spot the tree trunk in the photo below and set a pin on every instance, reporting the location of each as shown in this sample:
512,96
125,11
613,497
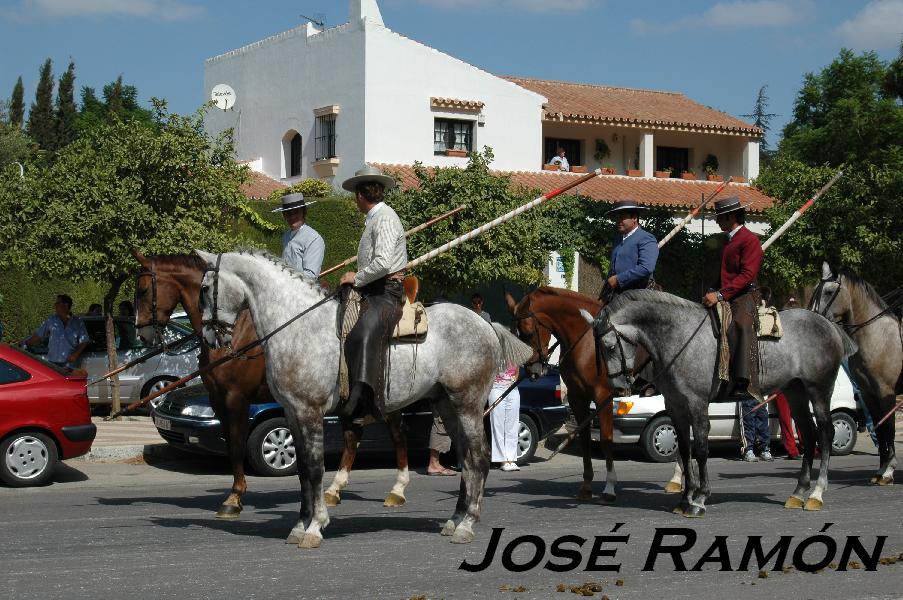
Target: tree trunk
112,359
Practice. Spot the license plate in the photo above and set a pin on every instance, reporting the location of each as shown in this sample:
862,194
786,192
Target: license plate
164,424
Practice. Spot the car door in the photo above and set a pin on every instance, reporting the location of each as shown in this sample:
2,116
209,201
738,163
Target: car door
128,348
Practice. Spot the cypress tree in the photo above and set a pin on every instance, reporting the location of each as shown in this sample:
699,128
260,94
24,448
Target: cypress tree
114,98
17,105
65,108
41,122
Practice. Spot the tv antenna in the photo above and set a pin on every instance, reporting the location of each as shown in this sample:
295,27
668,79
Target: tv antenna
319,19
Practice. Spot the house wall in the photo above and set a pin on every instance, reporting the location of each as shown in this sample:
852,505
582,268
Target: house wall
278,83
401,77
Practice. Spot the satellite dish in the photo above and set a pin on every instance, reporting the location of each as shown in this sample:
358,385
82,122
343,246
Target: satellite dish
223,95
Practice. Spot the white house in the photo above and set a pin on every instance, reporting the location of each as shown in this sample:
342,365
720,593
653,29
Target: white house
321,103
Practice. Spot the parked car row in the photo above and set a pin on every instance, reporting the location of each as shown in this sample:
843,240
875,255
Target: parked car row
643,421
186,420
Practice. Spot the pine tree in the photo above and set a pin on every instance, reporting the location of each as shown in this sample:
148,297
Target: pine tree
113,96
17,105
66,112
41,122
762,119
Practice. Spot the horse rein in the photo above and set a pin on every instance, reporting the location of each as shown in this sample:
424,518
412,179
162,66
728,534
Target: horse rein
814,306
221,329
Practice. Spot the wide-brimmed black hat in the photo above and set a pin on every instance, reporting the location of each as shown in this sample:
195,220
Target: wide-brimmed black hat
625,205
729,205
293,201
368,173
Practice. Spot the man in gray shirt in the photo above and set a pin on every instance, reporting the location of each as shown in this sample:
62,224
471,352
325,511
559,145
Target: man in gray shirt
302,246
381,257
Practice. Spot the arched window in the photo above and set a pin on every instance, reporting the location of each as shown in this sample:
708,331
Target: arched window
291,154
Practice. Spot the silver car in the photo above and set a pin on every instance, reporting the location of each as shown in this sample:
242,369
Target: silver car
144,378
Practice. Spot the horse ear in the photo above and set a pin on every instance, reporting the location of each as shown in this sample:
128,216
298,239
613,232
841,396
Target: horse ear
826,271
140,258
205,256
511,302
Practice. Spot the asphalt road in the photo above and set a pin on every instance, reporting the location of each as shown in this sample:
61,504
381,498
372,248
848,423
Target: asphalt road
148,531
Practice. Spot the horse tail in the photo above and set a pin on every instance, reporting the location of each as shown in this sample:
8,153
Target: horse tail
850,347
513,351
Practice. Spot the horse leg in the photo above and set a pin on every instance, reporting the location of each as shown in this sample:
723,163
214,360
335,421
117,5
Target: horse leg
606,440
821,400
351,435
885,433
676,483
443,407
682,427
581,412
307,429
234,414
701,427
397,431
473,475
799,410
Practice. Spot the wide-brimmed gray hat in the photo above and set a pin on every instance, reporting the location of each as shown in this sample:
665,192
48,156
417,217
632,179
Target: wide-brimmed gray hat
293,201
729,205
621,205
366,174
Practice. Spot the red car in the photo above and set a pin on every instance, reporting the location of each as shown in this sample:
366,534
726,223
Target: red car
44,417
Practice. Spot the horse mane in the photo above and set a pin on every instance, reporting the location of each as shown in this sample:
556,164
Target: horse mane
661,298
191,261
563,293
277,261
864,288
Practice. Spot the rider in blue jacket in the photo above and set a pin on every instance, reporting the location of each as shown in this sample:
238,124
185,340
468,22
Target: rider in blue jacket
635,250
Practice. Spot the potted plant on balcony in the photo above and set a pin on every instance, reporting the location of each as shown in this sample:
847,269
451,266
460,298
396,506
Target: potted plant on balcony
710,166
689,175
664,172
608,170
635,171
602,150
456,152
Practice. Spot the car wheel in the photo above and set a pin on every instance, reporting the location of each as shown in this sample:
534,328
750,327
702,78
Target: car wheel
527,439
845,432
659,440
27,459
155,384
271,449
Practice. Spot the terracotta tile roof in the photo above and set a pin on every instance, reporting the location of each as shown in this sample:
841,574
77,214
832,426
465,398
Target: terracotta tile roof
668,193
260,186
631,107
457,103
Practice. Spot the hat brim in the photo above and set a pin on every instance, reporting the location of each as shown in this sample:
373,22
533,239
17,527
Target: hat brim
636,208
730,210
305,204
351,183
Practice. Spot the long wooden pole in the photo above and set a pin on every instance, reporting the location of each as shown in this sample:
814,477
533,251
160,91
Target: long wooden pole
353,259
799,213
887,416
141,359
693,213
498,221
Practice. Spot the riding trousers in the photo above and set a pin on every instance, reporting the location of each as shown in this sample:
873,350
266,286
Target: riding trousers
744,344
368,341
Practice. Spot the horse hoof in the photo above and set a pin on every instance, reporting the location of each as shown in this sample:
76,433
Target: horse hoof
394,499
673,488
330,499
228,512
448,528
793,502
873,480
310,541
813,504
607,499
679,509
293,538
694,512
462,536
584,495
885,481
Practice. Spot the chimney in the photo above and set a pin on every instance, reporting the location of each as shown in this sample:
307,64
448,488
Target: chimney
364,9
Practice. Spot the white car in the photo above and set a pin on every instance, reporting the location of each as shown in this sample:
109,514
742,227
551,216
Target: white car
643,420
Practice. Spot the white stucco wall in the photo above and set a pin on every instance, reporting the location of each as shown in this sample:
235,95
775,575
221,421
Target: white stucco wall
402,76
278,83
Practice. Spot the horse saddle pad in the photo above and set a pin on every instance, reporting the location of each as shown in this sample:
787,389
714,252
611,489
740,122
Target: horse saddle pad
769,323
412,326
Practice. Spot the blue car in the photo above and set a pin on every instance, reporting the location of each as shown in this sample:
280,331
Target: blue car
186,420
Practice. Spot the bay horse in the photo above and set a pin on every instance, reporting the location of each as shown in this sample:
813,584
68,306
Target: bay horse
877,366
803,364
548,311
166,281
454,367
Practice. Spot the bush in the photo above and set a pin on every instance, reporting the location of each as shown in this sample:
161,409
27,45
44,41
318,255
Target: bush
311,188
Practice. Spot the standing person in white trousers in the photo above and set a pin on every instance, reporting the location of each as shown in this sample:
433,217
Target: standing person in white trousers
504,420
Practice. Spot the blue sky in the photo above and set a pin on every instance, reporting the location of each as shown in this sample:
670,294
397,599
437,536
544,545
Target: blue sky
718,53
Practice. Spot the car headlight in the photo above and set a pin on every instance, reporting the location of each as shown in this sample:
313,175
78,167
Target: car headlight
624,407
197,411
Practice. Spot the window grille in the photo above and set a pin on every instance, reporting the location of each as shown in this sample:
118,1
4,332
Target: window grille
325,137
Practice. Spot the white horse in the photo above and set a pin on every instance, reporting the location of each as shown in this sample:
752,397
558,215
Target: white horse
454,368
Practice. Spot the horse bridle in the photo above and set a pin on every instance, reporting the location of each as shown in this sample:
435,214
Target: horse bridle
222,330
537,346
619,337
814,306
154,322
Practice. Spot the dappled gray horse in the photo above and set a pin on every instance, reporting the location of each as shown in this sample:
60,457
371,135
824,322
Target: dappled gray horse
454,368
877,366
803,363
